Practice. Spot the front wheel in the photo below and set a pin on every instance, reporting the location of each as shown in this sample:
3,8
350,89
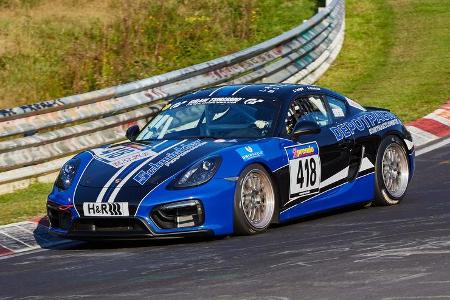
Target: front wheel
254,201
392,172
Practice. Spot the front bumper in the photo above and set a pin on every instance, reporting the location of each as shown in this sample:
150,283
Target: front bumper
216,206
126,228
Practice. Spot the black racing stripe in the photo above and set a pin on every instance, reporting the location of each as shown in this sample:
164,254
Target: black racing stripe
365,172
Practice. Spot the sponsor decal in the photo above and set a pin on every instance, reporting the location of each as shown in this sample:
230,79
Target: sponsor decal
122,155
178,104
313,88
383,126
214,100
250,152
94,209
338,112
253,101
371,121
304,170
168,159
270,89
303,151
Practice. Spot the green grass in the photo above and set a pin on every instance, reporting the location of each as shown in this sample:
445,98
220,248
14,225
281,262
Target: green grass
55,48
396,55
24,204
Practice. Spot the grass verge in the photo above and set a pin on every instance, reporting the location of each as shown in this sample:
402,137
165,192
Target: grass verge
24,204
55,48
395,55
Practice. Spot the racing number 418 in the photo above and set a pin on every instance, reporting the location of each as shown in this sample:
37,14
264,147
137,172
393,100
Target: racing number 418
304,173
307,167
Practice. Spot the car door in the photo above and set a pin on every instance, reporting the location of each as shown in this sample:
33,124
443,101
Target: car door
317,161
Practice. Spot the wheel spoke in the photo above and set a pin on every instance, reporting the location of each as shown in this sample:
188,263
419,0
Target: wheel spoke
257,198
395,170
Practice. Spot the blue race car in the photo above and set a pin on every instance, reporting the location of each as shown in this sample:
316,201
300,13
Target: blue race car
234,159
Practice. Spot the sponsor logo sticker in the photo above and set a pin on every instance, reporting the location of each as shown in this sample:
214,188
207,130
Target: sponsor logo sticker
166,161
122,155
370,121
250,151
94,209
253,101
303,151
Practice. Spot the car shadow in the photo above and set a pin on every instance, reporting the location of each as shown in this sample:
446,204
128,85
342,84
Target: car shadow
47,241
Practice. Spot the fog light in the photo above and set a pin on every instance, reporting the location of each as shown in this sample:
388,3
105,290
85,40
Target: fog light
179,214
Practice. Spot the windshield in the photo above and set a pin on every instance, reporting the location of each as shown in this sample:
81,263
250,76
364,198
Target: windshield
227,121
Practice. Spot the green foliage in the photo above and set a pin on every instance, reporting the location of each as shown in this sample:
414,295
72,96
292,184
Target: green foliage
55,48
395,55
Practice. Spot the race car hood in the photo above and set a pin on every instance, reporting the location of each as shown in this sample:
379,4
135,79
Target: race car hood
127,172
146,163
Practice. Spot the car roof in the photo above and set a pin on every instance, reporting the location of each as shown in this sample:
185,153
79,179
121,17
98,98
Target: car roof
277,91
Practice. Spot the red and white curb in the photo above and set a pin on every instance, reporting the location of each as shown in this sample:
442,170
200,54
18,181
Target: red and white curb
25,236
431,127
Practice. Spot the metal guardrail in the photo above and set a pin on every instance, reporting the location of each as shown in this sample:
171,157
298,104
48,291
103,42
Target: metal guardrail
36,139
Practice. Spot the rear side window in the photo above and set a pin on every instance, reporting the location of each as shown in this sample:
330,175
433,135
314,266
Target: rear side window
338,107
309,108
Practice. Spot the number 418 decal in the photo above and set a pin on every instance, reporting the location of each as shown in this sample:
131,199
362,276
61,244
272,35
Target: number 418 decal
304,169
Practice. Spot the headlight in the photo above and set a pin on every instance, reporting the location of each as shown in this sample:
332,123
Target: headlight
198,174
67,174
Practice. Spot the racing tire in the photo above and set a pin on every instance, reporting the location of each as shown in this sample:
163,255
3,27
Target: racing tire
391,172
254,201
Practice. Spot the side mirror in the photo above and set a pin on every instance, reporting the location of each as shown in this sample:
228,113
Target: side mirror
305,127
132,132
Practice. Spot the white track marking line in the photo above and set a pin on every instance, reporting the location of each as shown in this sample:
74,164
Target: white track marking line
11,237
135,170
433,147
420,136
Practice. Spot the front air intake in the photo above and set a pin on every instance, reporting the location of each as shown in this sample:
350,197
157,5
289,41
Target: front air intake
179,214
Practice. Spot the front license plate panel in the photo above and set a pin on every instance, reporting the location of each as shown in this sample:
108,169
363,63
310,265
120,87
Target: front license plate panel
114,209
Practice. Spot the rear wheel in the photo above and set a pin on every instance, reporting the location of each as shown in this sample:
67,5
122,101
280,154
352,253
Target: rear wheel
254,201
392,172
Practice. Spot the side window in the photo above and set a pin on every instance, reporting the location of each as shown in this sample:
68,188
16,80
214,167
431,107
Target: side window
309,108
338,108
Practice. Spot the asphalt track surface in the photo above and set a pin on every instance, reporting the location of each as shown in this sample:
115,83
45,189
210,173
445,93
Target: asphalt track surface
400,252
